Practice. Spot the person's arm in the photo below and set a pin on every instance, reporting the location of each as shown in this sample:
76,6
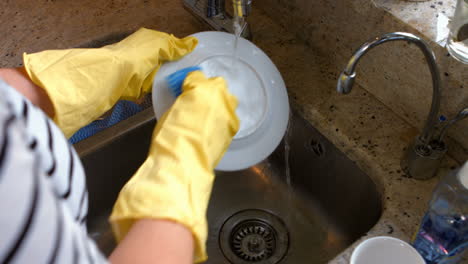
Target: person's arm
18,79
149,241
155,241
40,222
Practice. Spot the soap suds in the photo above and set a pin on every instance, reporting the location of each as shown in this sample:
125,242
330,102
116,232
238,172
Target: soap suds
246,85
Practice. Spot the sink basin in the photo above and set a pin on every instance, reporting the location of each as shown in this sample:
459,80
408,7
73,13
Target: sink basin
264,214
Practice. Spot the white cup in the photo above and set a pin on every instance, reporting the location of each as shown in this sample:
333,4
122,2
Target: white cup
385,250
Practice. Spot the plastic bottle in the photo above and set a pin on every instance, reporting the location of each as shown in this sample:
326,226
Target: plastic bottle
457,42
443,233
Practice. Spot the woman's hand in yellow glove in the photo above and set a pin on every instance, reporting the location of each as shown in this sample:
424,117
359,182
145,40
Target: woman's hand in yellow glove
84,83
175,181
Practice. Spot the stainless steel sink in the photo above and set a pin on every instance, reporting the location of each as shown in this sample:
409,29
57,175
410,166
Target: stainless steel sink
254,215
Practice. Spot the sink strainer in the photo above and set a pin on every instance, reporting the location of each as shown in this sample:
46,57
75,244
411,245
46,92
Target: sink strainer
253,241
254,236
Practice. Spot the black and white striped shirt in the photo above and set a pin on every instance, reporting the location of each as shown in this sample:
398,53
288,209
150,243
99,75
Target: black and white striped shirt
43,196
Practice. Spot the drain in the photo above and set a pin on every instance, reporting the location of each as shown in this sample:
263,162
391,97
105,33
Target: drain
254,236
316,147
253,241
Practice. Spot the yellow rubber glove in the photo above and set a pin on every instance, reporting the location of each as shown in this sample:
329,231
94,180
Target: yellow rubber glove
175,181
85,83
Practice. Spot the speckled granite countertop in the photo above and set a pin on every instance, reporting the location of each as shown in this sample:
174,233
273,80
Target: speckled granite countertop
358,124
428,17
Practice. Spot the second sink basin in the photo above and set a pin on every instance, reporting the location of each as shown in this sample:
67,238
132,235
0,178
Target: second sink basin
304,205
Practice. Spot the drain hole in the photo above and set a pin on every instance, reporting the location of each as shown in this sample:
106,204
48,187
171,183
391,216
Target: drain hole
254,236
316,147
253,240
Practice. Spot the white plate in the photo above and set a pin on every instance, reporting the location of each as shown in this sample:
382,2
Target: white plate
385,250
256,141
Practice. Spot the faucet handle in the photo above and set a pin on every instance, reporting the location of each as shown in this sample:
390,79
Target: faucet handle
462,114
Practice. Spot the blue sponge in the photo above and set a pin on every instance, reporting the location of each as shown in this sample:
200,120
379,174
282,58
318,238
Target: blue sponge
176,80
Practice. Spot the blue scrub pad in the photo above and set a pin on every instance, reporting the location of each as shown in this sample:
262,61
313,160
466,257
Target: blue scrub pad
176,80
122,110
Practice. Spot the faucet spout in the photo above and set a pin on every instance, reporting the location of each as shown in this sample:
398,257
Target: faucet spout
346,78
345,82
213,12
422,157
242,8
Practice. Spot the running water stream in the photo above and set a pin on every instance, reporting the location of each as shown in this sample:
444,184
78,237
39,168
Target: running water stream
238,26
287,168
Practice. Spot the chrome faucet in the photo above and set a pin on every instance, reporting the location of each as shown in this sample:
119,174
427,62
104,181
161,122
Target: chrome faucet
215,14
422,158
